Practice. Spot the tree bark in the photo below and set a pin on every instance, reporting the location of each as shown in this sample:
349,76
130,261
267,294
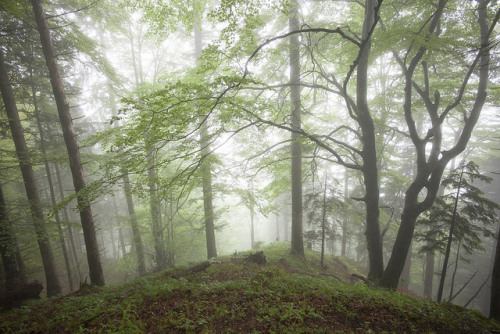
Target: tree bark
156,215
69,229
136,233
205,168
369,151
429,274
8,248
53,286
297,244
87,219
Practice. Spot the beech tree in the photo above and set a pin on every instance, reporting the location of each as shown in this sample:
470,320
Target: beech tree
430,165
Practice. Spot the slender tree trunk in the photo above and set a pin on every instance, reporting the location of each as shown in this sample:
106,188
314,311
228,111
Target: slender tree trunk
297,246
136,233
455,269
345,221
495,284
8,248
156,215
69,229
323,227
53,286
87,219
429,274
206,168
450,240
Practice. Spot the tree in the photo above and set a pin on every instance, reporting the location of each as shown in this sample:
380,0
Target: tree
430,165
297,245
53,286
87,219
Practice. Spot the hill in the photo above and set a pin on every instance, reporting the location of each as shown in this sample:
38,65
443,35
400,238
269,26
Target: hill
237,295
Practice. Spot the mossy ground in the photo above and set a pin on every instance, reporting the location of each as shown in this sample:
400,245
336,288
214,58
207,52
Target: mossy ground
287,295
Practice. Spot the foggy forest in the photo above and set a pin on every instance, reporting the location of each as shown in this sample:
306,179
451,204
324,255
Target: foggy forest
249,166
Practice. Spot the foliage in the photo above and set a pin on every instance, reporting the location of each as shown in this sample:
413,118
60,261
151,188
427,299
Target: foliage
475,217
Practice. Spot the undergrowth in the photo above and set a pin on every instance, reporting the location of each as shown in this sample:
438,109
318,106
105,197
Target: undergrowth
287,294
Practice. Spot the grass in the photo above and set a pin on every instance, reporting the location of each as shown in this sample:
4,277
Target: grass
287,295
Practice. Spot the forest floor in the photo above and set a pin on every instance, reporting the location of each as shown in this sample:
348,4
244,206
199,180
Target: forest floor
236,295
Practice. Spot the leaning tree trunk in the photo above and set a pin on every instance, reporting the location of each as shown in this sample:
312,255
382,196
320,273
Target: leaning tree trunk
53,286
297,245
8,248
206,168
87,219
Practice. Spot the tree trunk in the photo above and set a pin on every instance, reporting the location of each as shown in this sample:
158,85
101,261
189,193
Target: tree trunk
323,227
450,240
69,229
87,219
405,275
205,168
156,215
53,286
369,151
495,285
429,274
8,248
297,246
136,233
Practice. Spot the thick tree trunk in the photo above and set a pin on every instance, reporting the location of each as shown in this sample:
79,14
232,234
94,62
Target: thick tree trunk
205,168
136,233
297,246
405,275
53,286
369,151
8,248
87,219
